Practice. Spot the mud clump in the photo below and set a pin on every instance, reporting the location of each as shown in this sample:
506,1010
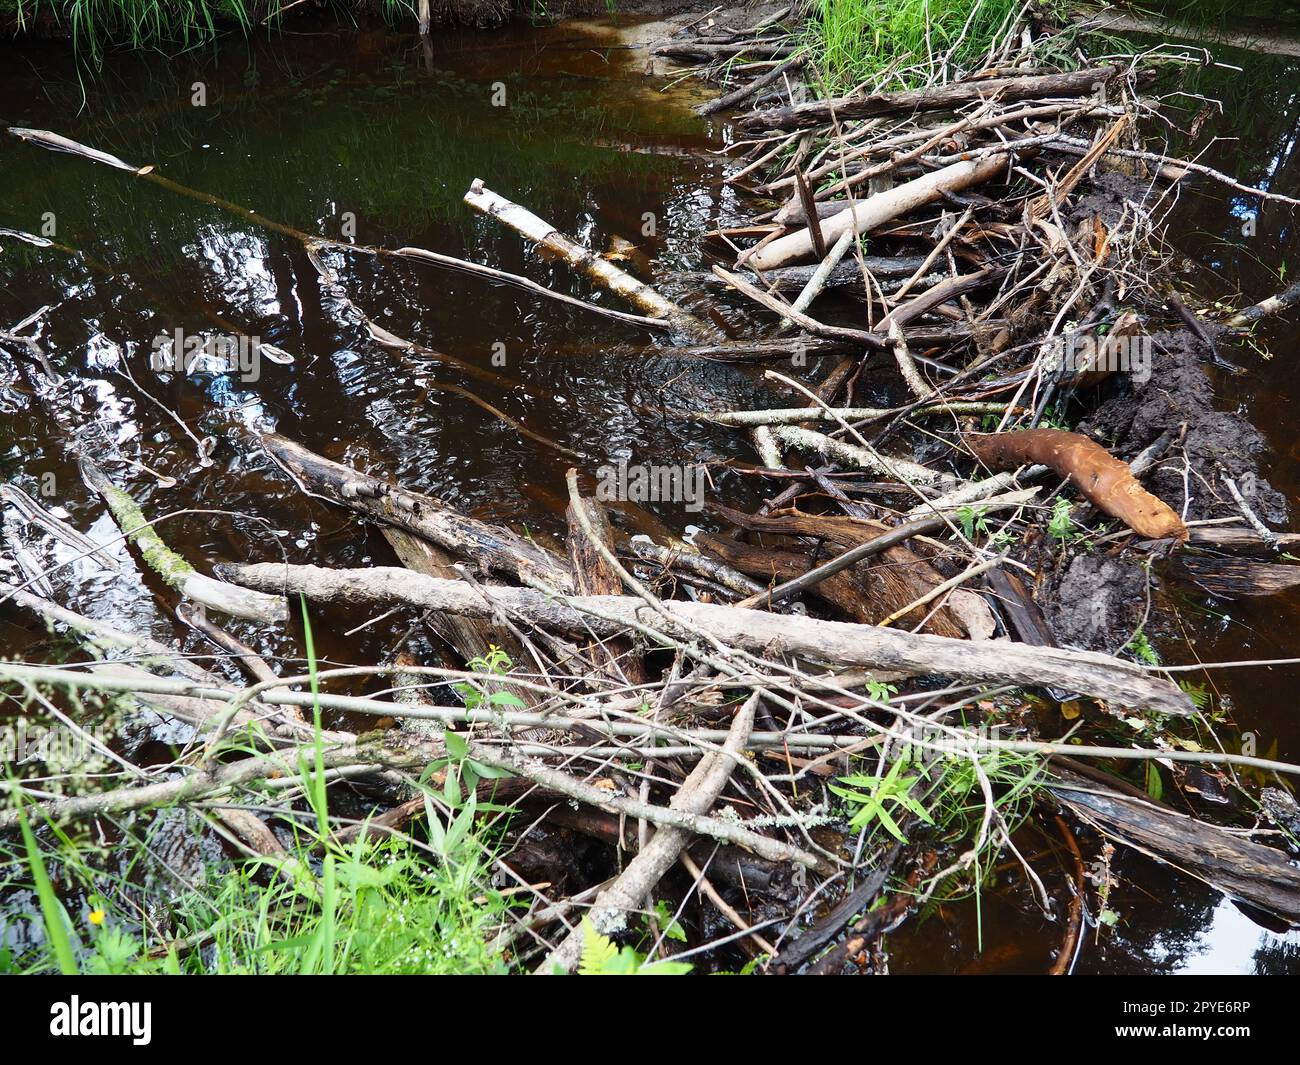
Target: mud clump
1096,602
1177,393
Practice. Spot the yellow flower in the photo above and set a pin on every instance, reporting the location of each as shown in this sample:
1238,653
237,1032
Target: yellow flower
96,917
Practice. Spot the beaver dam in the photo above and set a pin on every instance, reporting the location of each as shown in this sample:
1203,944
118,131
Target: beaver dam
679,495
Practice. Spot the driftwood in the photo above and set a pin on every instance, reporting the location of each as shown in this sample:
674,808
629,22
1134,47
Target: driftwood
896,588
685,50
696,796
470,638
742,94
729,865
1245,870
1241,540
866,594
490,546
879,209
603,272
902,470
831,642
1284,300
935,98
844,275
1236,577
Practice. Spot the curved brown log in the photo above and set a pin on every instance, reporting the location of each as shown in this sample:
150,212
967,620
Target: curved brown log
1104,480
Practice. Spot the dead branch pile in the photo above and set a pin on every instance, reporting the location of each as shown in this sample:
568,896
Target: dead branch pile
685,703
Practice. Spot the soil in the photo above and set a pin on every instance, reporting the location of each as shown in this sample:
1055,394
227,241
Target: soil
1097,601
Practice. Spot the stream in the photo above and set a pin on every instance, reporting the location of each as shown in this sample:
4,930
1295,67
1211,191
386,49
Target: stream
365,135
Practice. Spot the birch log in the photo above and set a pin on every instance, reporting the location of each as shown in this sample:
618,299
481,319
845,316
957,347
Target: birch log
604,273
831,642
879,209
852,455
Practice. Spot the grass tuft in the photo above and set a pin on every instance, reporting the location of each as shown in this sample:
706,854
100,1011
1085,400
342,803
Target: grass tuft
904,43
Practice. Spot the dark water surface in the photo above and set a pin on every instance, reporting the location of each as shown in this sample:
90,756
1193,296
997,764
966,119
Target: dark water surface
318,129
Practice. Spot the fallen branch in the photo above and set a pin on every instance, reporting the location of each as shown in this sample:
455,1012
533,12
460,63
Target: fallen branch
736,96
871,213
1243,869
490,546
171,567
831,642
1283,301
933,98
852,455
696,796
603,272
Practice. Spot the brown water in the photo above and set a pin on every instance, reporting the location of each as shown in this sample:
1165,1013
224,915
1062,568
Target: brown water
316,129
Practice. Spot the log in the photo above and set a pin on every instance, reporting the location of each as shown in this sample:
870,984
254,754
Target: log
830,642
1233,578
934,98
881,208
947,289
1104,480
746,91
1244,870
1240,539
1283,301
852,455
493,548
603,272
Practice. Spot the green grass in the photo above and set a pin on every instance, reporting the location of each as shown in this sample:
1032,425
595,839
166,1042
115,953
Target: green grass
944,796
899,43
405,904
144,23
400,906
